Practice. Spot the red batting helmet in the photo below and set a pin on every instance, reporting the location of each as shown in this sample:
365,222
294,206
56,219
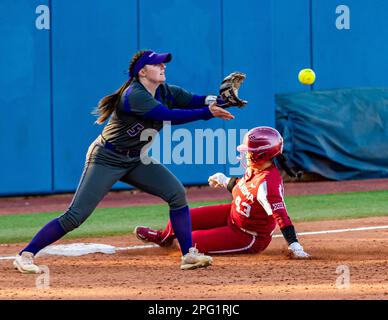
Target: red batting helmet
263,143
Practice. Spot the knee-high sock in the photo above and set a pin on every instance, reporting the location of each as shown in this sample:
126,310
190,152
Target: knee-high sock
50,233
181,223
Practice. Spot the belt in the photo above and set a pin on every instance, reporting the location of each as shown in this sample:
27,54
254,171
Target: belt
253,233
129,153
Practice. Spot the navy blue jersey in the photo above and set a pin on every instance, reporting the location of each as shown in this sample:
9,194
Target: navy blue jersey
138,110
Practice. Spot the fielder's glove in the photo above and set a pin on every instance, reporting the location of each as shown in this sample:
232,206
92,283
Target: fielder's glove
296,251
229,91
218,180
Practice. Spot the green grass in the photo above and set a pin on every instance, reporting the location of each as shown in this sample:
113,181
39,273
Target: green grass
102,222
117,221
338,206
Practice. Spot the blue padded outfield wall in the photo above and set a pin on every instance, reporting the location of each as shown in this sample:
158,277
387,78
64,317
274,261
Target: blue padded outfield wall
58,58
25,108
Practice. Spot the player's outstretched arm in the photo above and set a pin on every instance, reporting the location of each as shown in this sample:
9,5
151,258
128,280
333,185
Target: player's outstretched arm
277,209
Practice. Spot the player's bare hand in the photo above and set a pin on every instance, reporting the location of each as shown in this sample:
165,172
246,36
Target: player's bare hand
220,112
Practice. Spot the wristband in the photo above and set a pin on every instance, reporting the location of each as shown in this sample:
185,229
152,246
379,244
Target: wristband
232,182
289,234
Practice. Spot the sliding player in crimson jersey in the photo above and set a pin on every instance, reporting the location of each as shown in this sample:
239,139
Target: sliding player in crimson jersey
246,225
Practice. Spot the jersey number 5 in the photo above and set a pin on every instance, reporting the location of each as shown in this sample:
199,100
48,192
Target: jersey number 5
242,207
135,129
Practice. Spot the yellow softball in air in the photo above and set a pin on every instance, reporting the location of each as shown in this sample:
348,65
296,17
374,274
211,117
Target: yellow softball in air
306,76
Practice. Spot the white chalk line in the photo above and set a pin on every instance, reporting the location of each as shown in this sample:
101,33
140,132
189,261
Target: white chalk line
274,236
334,231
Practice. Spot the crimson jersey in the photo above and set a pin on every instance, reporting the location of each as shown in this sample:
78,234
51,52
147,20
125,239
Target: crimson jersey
258,201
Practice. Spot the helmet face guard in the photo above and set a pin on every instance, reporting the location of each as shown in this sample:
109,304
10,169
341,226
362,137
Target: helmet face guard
260,144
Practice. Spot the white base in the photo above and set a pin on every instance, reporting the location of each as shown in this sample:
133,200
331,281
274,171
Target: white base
77,249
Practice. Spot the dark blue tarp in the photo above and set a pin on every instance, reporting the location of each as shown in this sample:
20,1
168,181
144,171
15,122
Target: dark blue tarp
338,134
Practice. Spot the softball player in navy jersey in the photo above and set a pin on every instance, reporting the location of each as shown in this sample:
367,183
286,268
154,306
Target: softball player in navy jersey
143,102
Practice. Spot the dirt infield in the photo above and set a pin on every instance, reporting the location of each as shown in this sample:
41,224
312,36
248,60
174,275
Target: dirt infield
155,274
